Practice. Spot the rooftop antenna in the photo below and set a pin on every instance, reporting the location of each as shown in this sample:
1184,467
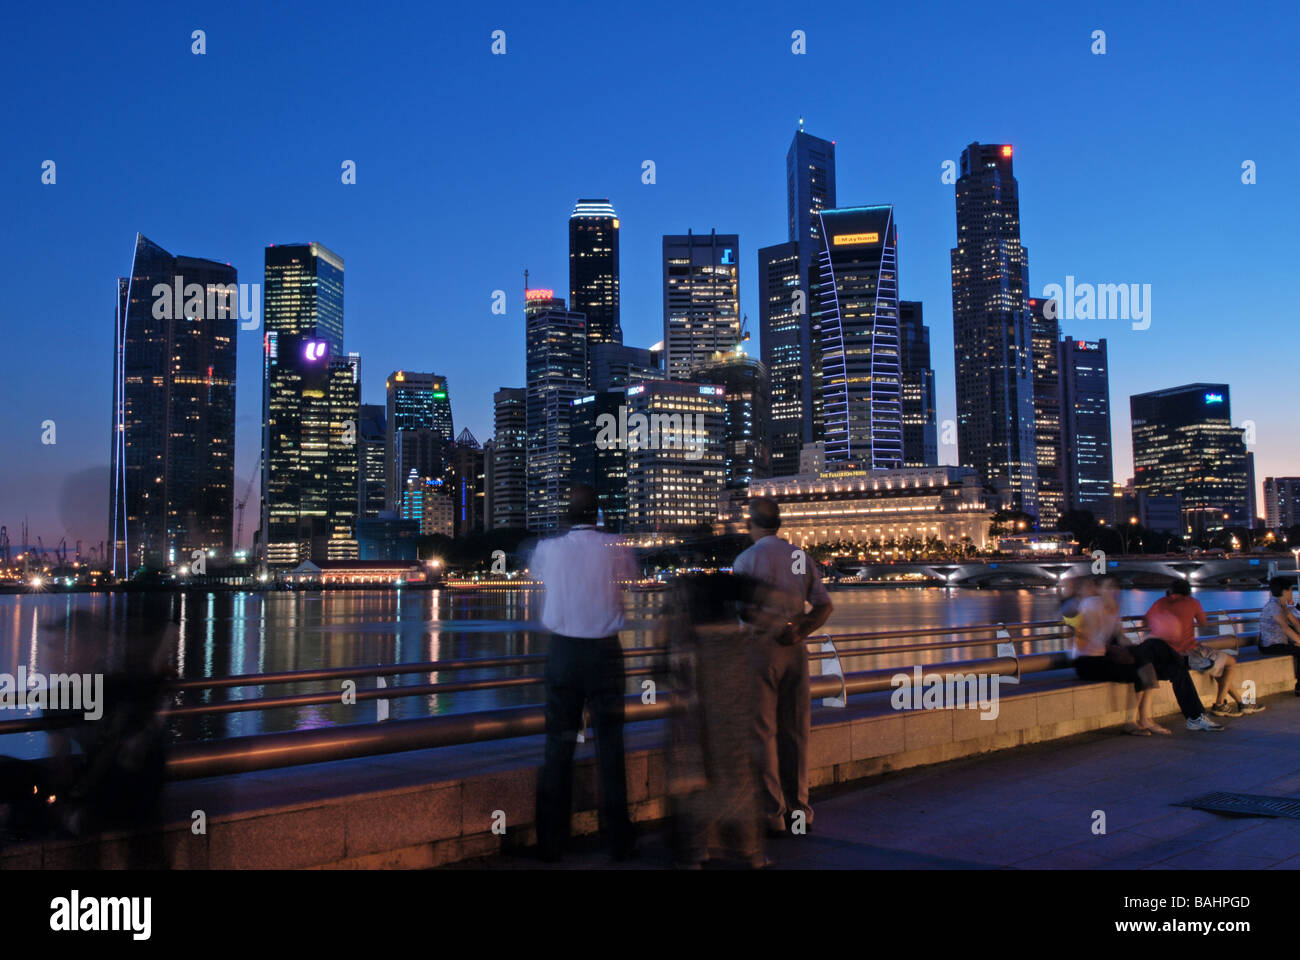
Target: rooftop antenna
801,124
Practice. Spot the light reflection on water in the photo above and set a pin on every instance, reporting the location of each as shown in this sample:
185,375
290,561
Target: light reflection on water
236,633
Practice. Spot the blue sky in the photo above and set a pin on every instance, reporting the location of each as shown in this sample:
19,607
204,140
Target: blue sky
468,165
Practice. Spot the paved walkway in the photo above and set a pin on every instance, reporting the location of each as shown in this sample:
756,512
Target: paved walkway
1034,807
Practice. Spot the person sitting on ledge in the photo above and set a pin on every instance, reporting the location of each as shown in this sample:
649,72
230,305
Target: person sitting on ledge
1104,654
1278,635
1173,619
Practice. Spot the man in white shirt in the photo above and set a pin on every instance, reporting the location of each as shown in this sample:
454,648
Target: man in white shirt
585,573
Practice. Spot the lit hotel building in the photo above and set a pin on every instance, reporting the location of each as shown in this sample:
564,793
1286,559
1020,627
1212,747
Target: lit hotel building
675,463
849,503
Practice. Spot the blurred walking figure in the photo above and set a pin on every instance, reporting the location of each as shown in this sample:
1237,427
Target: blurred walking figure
712,762
781,622
585,573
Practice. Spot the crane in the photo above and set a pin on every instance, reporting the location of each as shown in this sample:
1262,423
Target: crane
248,492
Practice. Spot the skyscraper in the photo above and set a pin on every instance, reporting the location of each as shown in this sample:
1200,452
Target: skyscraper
675,465
1087,467
1281,502
701,298
857,310
744,391
784,326
613,365
308,392
419,428
1045,335
1184,443
920,434
593,269
600,464
810,185
467,490
509,475
172,457
372,461
991,327
556,366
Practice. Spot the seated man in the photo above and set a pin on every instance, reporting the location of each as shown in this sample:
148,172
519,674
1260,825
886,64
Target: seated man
1278,636
1172,620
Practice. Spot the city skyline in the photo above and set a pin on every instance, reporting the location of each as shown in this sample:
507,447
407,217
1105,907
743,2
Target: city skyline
392,327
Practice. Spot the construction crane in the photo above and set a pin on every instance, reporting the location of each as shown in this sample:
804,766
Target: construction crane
248,492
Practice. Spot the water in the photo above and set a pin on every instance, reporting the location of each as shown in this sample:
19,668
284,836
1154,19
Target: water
217,634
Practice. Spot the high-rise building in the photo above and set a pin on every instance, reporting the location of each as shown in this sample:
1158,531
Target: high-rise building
701,298
743,387
675,462
612,366
599,460
305,375
810,185
857,311
509,459
920,424
419,428
593,269
467,490
556,366
1281,502
427,501
784,328
1184,443
992,328
1045,338
1087,466
173,443
372,461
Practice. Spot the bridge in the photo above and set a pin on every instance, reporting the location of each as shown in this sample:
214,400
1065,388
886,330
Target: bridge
454,788
1248,572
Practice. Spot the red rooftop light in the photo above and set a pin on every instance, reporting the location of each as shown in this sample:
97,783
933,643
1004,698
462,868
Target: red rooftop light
1006,151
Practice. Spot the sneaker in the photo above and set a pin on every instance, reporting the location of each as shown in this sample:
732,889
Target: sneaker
1246,708
1225,710
1204,723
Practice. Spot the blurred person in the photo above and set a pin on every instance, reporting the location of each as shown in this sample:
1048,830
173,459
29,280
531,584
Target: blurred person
1173,620
1279,634
713,771
780,624
1074,590
585,573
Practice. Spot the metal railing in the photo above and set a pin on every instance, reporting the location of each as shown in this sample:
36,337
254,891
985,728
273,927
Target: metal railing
344,741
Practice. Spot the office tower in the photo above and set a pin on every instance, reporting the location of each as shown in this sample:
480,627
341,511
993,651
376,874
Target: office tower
304,374
489,484
467,490
556,366
601,460
1184,443
330,424
674,456
419,427
372,461
1045,337
744,390
920,431
785,327
427,501
593,269
991,327
857,311
1281,503
1086,463
701,298
1252,514
612,366
810,185
509,474
172,457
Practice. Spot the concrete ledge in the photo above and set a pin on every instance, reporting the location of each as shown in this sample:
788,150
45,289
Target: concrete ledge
428,808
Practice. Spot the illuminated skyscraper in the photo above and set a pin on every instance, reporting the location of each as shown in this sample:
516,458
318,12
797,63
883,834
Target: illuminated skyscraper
311,402
1184,443
857,311
172,457
1045,333
991,327
1087,467
701,299
420,430
509,459
593,269
744,391
556,366
784,328
920,436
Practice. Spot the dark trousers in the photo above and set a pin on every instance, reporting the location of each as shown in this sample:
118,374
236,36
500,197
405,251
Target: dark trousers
583,671
1168,665
783,724
1283,650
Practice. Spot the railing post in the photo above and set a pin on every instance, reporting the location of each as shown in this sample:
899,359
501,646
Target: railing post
831,667
381,706
1008,650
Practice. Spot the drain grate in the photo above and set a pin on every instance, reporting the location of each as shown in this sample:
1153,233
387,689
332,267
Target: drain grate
1246,805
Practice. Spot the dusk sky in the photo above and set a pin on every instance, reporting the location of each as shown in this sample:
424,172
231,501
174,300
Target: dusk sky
468,164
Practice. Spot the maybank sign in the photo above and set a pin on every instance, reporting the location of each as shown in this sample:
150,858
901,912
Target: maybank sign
851,239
